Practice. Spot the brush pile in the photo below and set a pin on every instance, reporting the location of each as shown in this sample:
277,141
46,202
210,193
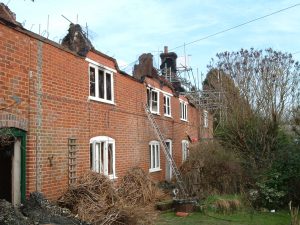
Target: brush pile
95,199
91,198
137,188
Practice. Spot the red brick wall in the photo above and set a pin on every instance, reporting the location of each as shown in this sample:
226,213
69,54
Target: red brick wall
53,85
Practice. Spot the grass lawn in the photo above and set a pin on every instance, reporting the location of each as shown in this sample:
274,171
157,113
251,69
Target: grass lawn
240,218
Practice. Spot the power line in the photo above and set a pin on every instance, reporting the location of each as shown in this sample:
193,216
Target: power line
234,27
226,30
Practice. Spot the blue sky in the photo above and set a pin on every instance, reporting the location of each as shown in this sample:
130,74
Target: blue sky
125,29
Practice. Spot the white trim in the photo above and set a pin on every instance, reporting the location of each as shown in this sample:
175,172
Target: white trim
181,100
183,110
101,100
100,65
154,170
166,93
102,138
157,89
170,108
105,72
156,156
95,163
150,100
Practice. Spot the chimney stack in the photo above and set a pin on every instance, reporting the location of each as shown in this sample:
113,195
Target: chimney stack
169,68
168,61
166,49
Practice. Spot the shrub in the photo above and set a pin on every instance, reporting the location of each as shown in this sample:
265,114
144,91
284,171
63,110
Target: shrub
270,192
279,184
212,170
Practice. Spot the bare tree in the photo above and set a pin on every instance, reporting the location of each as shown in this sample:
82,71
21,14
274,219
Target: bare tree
261,89
268,81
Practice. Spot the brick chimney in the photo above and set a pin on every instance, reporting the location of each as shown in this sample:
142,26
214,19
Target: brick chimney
8,15
168,60
77,41
169,68
145,67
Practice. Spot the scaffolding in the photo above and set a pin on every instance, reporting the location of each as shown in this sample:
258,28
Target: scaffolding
210,100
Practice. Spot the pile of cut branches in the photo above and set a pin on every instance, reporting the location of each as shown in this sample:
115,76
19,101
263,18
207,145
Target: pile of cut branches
137,188
91,198
95,199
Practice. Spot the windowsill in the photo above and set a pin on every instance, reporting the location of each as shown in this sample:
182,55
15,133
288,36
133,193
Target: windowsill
154,170
156,113
166,115
101,100
184,120
112,177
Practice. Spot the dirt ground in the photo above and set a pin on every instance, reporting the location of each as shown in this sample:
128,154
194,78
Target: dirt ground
36,210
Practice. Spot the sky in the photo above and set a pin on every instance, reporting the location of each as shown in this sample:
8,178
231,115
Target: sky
124,29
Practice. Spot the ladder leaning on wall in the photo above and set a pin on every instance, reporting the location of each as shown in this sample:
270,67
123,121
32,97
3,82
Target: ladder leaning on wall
160,136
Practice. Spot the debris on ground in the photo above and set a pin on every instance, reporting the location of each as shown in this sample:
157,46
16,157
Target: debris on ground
95,199
41,211
9,215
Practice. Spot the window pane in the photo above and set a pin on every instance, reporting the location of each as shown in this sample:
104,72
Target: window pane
157,157
168,145
102,158
101,83
167,110
154,101
108,86
110,159
168,105
92,82
153,156
97,158
150,154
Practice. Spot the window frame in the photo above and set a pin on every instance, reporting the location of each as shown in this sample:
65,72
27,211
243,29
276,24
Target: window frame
183,110
105,73
150,100
154,167
185,150
167,106
93,153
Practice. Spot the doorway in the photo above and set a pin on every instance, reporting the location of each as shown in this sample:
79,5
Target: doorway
6,154
10,169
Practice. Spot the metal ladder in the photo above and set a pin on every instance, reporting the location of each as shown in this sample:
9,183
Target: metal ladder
169,157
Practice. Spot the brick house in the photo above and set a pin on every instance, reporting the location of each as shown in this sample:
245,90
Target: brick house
66,109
